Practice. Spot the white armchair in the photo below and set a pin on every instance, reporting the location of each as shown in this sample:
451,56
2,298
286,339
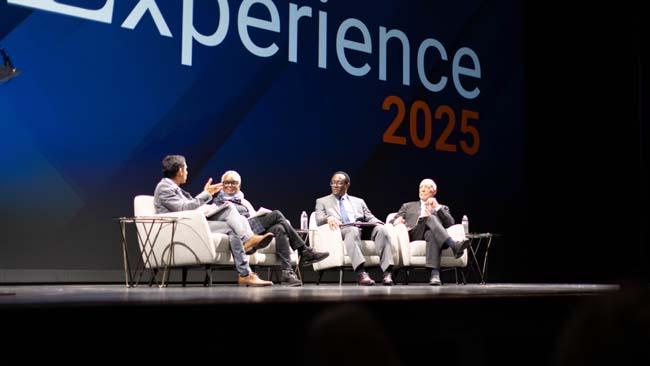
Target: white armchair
194,244
413,252
324,239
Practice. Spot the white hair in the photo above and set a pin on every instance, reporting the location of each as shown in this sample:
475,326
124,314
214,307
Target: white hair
428,183
234,174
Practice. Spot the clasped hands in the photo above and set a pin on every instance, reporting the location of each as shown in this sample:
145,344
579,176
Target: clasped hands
430,204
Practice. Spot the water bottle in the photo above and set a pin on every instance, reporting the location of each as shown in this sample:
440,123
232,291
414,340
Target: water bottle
465,224
303,221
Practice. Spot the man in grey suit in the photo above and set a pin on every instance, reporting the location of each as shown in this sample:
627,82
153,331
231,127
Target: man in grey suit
340,208
426,220
170,197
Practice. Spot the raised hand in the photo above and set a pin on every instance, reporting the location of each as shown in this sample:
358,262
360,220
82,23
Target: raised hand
212,188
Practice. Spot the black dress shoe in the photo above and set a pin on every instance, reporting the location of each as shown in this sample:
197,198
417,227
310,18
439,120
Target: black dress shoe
310,256
435,279
459,247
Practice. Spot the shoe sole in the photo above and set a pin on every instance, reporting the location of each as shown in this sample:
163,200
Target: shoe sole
263,243
309,263
435,283
462,249
254,285
291,284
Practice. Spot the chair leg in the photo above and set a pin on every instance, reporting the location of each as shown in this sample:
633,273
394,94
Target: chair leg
320,277
184,276
155,273
407,271
462,275
340,276
207,281
456,275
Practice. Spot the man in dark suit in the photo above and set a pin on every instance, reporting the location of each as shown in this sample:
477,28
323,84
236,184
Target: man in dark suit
340,208
426,220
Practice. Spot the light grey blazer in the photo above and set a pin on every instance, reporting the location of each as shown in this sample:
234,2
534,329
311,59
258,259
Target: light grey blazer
329,206
169,197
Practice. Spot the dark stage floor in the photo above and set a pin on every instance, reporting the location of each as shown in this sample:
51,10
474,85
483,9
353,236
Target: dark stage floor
101,295
492,324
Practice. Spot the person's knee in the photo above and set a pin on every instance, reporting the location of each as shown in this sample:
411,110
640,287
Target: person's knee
279,230
278,214
431,220
355,234
381,233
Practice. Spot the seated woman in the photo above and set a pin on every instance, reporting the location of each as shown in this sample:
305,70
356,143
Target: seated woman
286,237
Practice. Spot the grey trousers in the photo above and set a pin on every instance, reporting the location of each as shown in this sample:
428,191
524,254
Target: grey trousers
352,242
231,223
430,229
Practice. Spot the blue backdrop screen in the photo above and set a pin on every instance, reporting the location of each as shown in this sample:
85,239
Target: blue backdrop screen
283,92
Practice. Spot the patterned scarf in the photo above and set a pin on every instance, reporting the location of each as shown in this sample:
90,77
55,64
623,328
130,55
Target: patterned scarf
236,199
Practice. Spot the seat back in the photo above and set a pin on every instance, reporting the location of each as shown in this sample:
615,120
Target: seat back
143,206
193,242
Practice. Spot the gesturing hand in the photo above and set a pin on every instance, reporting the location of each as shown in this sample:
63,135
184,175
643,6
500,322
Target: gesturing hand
212,188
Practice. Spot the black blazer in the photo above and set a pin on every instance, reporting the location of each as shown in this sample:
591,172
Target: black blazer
410,211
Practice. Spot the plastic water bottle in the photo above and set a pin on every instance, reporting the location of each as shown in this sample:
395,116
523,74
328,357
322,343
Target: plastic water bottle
465,222
303,221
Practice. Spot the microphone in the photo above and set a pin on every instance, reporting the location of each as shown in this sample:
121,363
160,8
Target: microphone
8,71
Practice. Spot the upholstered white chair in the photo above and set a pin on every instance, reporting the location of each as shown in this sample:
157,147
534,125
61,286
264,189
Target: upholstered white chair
413,252
194,244
324,239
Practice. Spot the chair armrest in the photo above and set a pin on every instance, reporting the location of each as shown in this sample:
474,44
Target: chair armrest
328,240
456,232
192,241
402,234
394,242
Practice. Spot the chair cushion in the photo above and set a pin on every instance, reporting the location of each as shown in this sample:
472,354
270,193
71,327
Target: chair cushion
220,242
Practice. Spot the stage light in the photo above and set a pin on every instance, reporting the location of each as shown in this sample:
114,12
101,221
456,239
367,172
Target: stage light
7,70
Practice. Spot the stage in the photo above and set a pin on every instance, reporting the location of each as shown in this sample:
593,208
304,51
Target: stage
472,324
83,296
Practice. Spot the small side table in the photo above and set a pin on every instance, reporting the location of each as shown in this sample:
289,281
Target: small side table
147,229
479,245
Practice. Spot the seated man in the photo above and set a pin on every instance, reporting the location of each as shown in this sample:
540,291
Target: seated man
339,208
426,220
286,237
169,197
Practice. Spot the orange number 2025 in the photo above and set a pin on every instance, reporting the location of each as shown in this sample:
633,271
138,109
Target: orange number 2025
443,112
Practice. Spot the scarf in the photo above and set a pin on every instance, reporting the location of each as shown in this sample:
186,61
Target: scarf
236,199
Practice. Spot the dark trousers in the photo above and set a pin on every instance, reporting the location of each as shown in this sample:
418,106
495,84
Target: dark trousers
430,229
286,237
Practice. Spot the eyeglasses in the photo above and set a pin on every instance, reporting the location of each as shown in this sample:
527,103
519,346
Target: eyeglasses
337,184
230,182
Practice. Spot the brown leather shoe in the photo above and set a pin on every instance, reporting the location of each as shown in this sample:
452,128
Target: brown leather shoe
252,280
365,280
257,242
388,279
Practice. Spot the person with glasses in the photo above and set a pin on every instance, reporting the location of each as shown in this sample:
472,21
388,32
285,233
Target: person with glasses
286,237
338,209
426,219
170,197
